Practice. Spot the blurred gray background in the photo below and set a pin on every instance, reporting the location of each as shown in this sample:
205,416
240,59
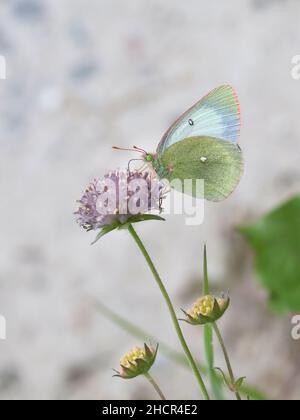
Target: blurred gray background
81,77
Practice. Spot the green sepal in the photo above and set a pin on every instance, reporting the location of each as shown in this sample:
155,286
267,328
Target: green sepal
132,219
226,380
200,320
149,353
104,231
239,383
117,374
143,366
217,311
128,373
232,387
139,218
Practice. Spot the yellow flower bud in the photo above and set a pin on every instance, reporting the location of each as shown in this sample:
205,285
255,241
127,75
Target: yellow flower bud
206,309
131,357
203,306
137,361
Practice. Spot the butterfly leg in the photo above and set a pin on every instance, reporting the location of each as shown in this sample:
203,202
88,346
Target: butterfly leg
131,160
160,205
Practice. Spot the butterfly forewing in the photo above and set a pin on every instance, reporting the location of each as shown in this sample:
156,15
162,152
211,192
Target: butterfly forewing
216,115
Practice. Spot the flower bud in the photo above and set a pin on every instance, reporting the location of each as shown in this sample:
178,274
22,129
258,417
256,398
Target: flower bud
137,361
207,309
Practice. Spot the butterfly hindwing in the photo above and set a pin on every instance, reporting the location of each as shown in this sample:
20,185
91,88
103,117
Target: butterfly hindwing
216,115
218,162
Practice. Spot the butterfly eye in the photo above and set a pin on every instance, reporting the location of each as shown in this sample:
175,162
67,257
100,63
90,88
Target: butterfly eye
149,158
191,122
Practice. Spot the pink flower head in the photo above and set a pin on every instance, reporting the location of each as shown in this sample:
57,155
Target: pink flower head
118,196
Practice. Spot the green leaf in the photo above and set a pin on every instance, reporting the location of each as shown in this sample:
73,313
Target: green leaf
104,231
276,242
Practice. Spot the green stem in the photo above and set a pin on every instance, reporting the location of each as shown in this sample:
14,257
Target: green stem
208,339
171,310
216,385
205,273
230,371
155,386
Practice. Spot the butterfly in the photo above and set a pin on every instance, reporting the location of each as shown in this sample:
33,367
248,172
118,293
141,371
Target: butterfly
202,144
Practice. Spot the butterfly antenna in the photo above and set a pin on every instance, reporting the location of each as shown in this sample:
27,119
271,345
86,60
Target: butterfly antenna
133,149
123,148
139,149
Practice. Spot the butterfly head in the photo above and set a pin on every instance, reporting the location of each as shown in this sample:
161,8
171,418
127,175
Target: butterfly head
149,157
152,160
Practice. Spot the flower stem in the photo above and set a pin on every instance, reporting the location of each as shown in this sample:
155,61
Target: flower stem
171,310
216,384
208,339
230,371
155,386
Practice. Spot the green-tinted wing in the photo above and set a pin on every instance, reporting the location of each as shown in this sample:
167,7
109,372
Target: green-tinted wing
216,115
218,162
